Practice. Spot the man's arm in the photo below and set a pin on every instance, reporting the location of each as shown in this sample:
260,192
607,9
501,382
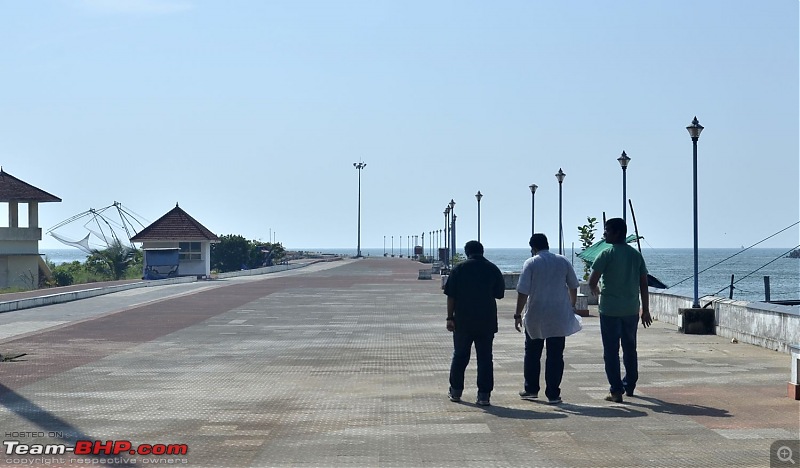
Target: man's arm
500,285
645,293
522,299
593,280
451,313
573,296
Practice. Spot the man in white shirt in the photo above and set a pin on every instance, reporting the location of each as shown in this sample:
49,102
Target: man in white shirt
547,291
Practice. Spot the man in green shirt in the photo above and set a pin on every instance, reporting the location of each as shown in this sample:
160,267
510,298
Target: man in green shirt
624,278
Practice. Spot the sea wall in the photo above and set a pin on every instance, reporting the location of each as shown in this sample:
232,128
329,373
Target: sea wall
770,326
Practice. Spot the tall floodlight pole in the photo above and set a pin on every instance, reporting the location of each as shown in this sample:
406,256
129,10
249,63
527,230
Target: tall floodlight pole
452,206
694,131
623,162
478,196
359,166
533,188
560,176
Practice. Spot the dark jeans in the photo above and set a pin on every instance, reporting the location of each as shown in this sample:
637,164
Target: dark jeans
462,345
616,331
553,368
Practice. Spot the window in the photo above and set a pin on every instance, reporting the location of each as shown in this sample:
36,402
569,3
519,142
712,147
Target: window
189,250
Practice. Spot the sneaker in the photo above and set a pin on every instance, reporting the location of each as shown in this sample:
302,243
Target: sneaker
629,392
483,402
453,398
554,401
615,397
528,395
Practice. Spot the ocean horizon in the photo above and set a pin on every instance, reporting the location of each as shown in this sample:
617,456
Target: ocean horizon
673,266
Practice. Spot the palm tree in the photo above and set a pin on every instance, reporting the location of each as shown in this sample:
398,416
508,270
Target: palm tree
113,260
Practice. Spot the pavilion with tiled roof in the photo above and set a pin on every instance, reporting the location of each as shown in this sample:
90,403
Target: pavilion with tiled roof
20,263
179,232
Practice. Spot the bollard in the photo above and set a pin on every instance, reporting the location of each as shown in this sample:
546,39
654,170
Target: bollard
696,321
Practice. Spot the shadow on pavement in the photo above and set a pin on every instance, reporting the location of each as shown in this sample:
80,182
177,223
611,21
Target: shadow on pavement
45,421
665,407
516,413
600,411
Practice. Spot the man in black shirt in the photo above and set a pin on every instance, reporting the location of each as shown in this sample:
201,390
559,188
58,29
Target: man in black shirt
471,290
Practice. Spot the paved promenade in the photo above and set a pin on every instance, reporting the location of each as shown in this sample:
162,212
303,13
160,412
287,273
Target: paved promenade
346,364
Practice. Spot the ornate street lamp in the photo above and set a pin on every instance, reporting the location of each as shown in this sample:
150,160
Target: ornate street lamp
623,162
694,131
452,206
479,196
446,240
359,166
560,176
533,188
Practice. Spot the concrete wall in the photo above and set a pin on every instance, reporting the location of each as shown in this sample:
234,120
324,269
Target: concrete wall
770,326
20,271
85,293
511,279
261,271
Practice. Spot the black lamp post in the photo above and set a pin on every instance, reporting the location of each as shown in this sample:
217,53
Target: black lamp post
479,196
623,162
452,206
359,166
384,246
694,131
392,246
560,176
446,233
533,188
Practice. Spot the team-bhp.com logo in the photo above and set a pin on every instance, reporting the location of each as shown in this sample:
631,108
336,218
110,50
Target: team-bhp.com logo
96,447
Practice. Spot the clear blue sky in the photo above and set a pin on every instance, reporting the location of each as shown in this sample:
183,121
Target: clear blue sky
250,114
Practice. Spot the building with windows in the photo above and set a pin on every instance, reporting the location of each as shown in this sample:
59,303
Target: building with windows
176,233
20,263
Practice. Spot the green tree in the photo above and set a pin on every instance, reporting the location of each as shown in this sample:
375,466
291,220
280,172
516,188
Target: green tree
113,261
587,239
230,253
276,250
458,257
234,252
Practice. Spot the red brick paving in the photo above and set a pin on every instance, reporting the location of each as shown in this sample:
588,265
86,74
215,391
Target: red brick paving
58,350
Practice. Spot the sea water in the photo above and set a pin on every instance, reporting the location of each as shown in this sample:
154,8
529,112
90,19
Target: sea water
674,267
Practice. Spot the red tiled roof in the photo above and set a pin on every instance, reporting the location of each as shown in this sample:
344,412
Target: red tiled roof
13,189
175,225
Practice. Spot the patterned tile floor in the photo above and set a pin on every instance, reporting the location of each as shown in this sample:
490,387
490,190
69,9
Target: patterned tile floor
346,364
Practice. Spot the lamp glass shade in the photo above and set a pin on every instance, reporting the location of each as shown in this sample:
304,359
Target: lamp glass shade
624,160
533,188
479,195
560,175
695,128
